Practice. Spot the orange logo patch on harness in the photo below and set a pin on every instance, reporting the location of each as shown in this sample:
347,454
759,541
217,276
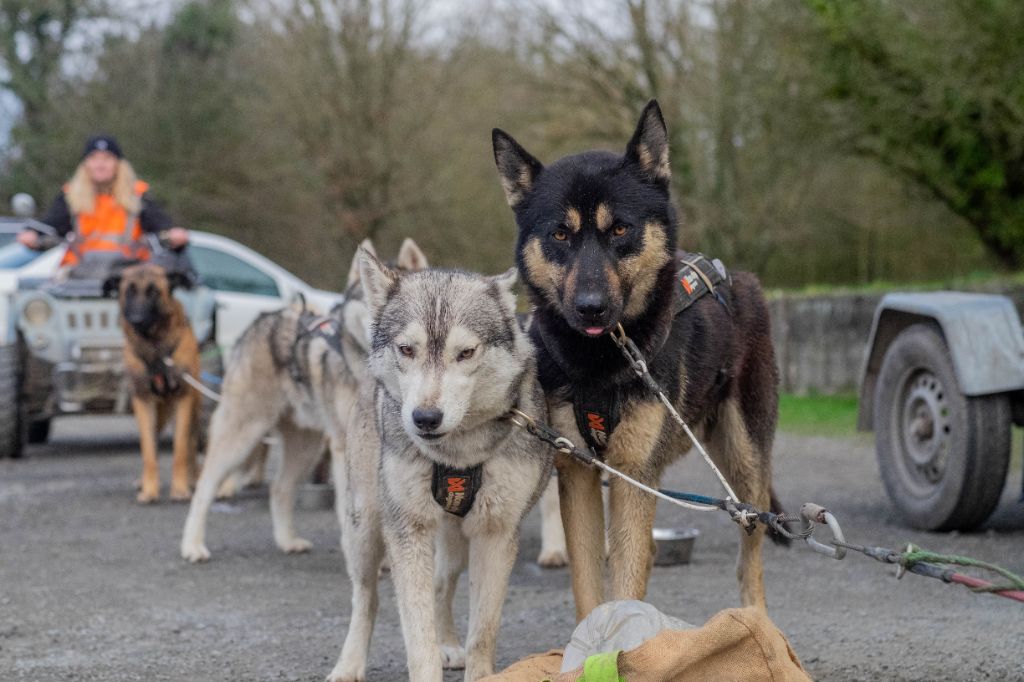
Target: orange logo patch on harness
456,493
455,489
689,281
595,421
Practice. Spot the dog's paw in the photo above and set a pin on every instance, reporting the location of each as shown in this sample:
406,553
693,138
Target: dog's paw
348,671
180,494
228,488
295,546
453,657
552,558
147,496
194,553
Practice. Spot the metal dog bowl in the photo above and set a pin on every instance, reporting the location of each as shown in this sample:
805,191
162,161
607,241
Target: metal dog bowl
675,545
314,497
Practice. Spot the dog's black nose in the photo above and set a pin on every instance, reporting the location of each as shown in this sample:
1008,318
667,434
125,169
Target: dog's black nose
591,305
427,418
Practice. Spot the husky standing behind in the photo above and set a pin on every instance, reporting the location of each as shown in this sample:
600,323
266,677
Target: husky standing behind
433,458
284,375
596,249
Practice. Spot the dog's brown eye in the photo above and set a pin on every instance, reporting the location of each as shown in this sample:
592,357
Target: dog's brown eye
405,350
467,354
620,230
560,234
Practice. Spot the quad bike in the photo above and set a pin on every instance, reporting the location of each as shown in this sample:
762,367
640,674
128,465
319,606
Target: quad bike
64,349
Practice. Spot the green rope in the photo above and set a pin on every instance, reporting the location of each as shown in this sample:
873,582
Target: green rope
916,555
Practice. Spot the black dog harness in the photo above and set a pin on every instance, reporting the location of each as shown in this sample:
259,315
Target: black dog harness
308,325
597,413
164,377
455,489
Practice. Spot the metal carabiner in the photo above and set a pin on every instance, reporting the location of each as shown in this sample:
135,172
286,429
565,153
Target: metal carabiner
813,513
521,419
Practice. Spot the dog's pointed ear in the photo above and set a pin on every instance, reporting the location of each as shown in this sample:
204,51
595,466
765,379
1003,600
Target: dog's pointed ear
505,283
377,280
353,270
517,168
648,149
410,257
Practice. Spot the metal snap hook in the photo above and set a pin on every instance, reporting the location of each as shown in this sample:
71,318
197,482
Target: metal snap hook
813,513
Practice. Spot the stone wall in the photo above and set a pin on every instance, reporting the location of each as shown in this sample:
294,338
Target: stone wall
820,340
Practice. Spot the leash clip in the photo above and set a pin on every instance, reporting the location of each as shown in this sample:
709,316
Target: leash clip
814,513
521,419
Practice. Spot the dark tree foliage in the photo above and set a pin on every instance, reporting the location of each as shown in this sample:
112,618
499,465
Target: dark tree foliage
936,92
802,132
33,38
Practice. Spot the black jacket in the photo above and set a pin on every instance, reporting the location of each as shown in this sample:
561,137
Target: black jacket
152,218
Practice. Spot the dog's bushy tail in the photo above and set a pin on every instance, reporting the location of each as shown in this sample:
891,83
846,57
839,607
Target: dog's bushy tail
777,537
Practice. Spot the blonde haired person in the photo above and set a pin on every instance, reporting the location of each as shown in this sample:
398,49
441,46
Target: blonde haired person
105,207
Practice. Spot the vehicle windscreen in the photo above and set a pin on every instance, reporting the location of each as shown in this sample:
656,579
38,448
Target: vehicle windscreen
14,255
7,238
224,272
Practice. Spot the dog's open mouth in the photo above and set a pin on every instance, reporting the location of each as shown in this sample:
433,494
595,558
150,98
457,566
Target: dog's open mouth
593,331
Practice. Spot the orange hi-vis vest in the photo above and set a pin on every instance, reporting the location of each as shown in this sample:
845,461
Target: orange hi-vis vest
108,228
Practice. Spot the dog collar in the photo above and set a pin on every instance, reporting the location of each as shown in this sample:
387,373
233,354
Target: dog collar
455,489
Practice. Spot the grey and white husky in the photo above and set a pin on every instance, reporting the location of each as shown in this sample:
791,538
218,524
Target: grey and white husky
285,377
449,363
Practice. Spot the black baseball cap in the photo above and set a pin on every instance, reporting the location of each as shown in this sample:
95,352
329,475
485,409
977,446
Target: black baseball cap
102,143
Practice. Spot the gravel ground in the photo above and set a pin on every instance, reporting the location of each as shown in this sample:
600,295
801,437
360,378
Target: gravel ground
92,588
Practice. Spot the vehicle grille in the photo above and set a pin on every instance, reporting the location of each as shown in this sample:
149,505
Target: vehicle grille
91,320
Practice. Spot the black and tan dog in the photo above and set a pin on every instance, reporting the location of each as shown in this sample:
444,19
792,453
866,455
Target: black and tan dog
596,248
156,331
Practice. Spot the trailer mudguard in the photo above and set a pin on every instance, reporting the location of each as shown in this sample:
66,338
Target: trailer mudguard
983,333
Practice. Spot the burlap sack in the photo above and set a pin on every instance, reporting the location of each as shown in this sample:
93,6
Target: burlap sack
735,644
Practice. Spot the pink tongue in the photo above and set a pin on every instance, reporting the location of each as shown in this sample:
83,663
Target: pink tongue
594,331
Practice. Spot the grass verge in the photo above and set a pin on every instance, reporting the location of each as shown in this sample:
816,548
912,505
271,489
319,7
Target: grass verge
821,415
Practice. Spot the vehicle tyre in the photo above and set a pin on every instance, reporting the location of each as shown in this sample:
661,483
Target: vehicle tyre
12,413
38,430
211,362
943,456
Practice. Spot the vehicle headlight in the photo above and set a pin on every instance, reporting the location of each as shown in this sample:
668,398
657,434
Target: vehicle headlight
38,312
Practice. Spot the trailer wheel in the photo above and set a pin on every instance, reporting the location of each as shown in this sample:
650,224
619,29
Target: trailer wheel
12,412
943,456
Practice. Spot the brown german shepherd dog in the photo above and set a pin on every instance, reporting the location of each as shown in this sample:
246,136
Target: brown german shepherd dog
596,248
156,329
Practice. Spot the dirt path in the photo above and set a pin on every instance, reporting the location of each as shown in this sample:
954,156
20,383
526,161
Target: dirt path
92,588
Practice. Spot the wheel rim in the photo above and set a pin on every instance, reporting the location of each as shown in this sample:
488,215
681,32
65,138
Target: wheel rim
923,430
